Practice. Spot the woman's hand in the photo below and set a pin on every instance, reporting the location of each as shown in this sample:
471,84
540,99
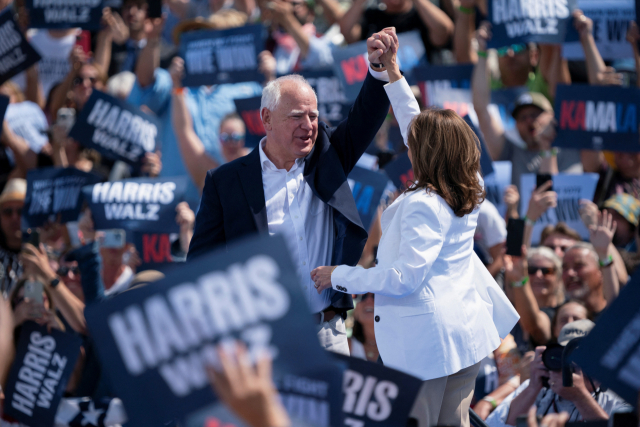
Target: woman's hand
36,261
541,200
322,277
515,267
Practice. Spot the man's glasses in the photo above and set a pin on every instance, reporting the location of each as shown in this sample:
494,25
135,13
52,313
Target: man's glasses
80,80
64,271
231,137
545,270
516,48
8,212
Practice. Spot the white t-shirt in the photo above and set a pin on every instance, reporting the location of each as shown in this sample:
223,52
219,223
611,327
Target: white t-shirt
54,65
27,120
491,228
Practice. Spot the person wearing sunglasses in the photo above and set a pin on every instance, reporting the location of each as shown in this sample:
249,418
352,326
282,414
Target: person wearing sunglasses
11,205
535,279
232,132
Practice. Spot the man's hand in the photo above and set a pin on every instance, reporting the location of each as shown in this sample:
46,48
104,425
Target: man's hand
117,27
185,217
382,47
541,200
322,277
483,35
248,390
538,370
152,164
589,213
176,70
267,65
545,130
153,28
77,57
550,420
572,394
610,77
601,235
281,10
582,23
633,34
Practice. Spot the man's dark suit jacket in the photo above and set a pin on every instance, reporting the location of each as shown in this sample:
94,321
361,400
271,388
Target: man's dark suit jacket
233,204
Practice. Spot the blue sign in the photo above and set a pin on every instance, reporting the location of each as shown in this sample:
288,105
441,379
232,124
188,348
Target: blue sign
486,163
85,14
400,171
116,129
433,77
496,183
41,369
332,103
226,56
249,110
155,341
351,64
367,187
16,54
375,395
53,194
138,204
610,353
597,117
155,249
514,23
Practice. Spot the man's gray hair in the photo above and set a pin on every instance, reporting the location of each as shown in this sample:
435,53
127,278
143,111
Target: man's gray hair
271,92
587,246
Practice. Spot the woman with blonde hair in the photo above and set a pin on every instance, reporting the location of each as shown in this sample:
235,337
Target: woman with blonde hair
437,314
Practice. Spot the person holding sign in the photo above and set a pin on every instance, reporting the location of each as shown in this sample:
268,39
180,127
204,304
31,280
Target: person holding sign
431,320
295,183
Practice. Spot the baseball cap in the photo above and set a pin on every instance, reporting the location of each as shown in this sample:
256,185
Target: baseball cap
532,99
626,205
577,329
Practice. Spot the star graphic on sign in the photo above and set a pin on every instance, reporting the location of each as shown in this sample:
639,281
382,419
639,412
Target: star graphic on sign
91,416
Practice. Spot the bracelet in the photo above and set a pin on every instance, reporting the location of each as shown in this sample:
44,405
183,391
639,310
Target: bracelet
607,263
521,283
549,153
528,221
466,10
482,53
178,90
491,400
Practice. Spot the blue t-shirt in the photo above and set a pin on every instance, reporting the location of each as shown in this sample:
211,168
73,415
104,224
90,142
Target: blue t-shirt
207,105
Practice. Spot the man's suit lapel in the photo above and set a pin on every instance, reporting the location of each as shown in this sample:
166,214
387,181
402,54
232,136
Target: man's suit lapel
250,176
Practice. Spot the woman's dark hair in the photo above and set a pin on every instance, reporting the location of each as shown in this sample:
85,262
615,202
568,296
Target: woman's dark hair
445,153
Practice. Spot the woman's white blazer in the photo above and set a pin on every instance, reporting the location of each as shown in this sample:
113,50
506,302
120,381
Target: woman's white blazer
437,308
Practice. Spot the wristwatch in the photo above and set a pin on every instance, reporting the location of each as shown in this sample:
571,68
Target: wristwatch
54,282
376,66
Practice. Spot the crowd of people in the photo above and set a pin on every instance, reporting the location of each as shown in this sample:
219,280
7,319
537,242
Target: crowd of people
566,279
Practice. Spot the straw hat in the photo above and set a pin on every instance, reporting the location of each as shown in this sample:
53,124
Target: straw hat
15,190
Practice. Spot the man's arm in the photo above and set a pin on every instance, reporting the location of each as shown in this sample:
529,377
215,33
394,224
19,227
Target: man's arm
439,24
350,21
463,31
209,229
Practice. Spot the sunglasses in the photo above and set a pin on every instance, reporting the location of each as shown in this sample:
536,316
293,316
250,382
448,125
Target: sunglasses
545,270
516,48
63,271
231,137
80,80
10,211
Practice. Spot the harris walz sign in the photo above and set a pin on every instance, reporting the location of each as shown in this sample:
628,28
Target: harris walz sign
41,369
226,56
155,341
116,129
16,54
85,14
138,204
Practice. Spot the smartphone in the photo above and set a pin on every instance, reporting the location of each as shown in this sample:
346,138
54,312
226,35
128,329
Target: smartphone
113,239
31,235
155,9
33,290
84,41
515,236
541,178
66,118
74,234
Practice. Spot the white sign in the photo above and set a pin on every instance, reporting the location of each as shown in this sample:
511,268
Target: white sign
571,189
496,183
610,22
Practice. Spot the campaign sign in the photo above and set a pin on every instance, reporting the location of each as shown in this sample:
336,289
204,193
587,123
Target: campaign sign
137,204
514,22
16,54
597,117
351,63
610,353
154,249
41,369
4,103
156,341
332,104
116,129
249,110
486,163
431,77
375,395
400,171
53,194
85,14
226,56
495,184
367,187
571,189
610,23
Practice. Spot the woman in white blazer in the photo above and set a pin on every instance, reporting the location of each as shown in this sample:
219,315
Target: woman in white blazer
436,313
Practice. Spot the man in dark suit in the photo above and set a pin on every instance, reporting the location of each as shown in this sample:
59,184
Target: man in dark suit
295,184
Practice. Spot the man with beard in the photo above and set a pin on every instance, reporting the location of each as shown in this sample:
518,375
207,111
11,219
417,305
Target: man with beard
586,276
